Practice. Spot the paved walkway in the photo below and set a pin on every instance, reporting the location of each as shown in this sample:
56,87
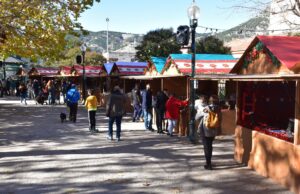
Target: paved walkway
38,154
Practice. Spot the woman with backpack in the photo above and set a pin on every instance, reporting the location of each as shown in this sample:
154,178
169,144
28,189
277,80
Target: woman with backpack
210,127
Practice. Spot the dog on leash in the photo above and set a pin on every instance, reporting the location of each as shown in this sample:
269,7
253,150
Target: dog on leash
63,117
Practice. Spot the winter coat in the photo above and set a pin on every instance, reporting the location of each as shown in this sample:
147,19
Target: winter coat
116,104
73,95
146,99
173,107
161,100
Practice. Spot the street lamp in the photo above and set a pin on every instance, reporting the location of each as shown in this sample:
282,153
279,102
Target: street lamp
83,50
107,20
193,13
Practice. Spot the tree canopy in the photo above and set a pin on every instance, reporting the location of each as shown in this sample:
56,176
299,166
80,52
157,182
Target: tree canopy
212,45
158,43
36,28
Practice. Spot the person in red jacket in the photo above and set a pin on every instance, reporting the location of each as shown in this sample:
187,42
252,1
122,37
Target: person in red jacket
172,112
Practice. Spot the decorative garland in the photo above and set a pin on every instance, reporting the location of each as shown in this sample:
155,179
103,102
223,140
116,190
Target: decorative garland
258,49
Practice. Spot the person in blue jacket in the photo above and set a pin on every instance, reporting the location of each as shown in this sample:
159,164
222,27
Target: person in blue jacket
72,102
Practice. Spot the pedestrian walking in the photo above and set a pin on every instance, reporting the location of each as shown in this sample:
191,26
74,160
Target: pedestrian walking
64,87
173,106
115,110
210,127
160,108
137,103
36,88
147,107
91,105
72,102
8,82
23,93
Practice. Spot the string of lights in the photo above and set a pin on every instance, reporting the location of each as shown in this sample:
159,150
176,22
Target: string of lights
242,30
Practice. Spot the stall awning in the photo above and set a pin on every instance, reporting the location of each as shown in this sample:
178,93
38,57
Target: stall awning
235,77
90,71
145,77
202,67
204,64
127,68
46,71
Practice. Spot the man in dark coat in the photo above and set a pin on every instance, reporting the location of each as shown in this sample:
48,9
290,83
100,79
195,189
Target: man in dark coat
136,102
147,107
160,108
115,110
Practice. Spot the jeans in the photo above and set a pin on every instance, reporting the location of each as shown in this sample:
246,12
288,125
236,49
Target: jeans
171,125
137,112
23,96
92,119
148,118
208,149
111,121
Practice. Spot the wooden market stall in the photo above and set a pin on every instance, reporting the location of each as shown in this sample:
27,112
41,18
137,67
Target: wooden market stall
205,64
175,75
267,134
119,69
95,77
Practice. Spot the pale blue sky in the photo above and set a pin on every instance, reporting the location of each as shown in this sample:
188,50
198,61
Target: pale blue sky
141,16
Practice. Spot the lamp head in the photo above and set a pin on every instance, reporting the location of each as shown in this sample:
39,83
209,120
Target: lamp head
193,11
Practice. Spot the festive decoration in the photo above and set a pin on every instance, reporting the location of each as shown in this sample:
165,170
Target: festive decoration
258,49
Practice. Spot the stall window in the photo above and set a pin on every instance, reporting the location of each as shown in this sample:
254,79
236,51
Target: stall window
267,106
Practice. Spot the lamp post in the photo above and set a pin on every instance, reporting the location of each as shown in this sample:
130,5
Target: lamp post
107,20
193,13
83,50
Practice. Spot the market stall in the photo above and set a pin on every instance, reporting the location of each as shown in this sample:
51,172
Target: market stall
205,64
119,69
267,134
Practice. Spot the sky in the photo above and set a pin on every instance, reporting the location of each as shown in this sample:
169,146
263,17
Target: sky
142,16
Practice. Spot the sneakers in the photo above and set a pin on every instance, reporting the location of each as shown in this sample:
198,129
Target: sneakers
109,138
95,130
118,139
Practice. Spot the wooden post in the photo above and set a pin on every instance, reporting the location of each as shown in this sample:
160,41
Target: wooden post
297,114
124,85
237,103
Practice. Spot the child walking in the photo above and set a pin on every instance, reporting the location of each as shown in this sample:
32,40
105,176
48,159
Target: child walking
91,106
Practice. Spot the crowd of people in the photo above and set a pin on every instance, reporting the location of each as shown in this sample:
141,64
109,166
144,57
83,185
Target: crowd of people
43,92
166,106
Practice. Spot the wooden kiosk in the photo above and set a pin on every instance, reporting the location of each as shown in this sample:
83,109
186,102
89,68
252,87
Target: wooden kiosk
267,134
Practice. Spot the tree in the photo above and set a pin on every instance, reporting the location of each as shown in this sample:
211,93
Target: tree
281,8
37,28
158,43
212,45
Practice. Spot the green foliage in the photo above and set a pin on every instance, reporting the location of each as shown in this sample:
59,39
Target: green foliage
158,43
37,29
211,45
